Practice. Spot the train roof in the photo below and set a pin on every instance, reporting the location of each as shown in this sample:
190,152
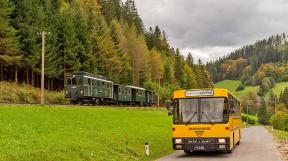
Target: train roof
99,79
91,75
134,87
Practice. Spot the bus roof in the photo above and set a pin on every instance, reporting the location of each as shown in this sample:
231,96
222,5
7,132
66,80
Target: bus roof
205,92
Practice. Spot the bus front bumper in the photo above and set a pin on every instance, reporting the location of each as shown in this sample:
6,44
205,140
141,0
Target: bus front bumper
201,144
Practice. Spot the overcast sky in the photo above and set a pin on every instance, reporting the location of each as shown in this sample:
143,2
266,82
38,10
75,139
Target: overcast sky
212,28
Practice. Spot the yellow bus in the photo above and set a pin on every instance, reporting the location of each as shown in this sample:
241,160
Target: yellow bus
206,120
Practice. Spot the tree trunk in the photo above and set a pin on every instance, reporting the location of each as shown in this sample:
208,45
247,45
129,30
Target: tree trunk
32,78
1,71
16,74
52,84
27,76
48,83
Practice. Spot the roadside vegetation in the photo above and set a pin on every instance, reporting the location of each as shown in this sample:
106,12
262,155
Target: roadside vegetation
252,120
55,133
22,93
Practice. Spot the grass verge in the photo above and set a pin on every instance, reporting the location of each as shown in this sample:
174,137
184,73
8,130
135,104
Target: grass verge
56,133
280,134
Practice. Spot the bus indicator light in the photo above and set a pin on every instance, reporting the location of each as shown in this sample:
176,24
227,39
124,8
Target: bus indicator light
227,128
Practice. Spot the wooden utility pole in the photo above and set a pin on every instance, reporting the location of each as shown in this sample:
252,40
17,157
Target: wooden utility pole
275,110
158,99
42,34
247,106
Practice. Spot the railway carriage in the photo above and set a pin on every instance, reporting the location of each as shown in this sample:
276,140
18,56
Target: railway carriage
86,88
83,87
138,95
122,94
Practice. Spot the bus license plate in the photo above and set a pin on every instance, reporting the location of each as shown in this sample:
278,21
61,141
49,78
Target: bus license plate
199,147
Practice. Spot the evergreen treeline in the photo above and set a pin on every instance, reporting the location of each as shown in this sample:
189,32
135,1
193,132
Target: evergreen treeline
252,63
105,37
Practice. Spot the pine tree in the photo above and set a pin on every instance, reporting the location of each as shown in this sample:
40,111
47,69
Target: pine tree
179,67
30,18
190,60
68,42
262,113
9,45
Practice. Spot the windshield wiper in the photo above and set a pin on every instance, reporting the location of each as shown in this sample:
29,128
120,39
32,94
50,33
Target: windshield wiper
207,117
189,121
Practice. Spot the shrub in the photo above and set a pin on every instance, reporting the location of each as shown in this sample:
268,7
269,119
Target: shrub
251,119
240,87
280,120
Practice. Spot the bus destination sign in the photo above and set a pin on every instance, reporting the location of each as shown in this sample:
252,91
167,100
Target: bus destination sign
199,93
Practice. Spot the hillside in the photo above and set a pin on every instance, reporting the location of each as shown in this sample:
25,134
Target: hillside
247,62
231,85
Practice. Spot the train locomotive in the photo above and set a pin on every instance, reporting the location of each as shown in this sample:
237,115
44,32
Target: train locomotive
85,88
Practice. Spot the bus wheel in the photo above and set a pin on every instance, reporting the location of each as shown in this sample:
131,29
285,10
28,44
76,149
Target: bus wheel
238,143
187,151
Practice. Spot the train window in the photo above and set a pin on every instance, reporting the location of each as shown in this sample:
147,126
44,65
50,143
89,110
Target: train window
80,81
74,82
68,81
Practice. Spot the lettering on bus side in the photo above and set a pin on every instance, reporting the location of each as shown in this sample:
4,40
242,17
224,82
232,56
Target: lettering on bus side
200,128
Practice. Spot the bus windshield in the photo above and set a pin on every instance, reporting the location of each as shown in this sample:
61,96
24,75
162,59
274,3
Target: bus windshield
201,110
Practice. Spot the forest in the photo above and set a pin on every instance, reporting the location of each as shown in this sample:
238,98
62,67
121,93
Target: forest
103,37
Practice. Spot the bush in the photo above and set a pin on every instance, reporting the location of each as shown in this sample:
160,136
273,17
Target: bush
280,120
240,87
251,119
22,93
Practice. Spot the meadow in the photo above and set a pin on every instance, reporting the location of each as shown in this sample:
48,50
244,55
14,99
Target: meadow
231,85
82,133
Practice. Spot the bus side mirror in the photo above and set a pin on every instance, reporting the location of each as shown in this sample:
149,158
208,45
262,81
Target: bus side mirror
168,105
231,103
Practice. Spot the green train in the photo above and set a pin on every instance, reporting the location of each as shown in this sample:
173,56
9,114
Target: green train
86,88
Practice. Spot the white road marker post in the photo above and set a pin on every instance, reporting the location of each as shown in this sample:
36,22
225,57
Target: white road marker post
147,152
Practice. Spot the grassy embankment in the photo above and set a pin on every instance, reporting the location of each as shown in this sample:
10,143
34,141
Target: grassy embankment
22,93
231,85
280,134
56,133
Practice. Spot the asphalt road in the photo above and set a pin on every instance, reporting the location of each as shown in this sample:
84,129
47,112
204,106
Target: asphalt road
256,145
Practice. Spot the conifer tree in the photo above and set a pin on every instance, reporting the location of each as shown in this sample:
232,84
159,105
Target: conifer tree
9,45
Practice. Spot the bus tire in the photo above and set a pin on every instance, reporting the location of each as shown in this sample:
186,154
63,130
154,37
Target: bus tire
187,151
238,143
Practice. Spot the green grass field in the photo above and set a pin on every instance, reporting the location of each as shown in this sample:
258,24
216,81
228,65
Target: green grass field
231,85
279,87
280,134
58,133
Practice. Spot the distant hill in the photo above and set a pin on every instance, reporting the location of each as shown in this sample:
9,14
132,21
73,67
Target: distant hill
231,85
265,58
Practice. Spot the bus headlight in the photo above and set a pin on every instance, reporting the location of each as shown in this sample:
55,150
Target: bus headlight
221,141
178,141
81,92
66,92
